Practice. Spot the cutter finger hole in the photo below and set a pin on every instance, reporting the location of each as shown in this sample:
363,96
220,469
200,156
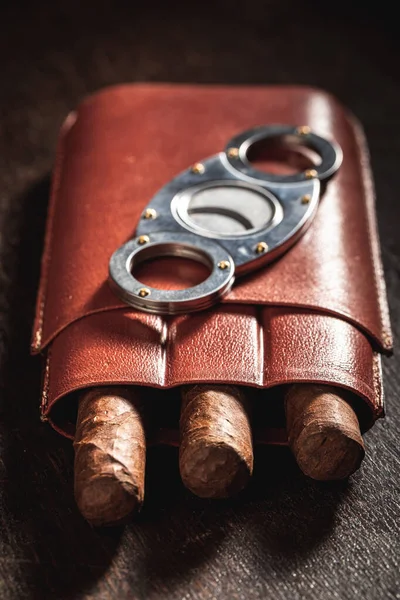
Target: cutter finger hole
169,271
319,157
282,155
171,300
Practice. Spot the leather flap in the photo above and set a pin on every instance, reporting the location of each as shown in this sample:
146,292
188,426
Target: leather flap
124,143
261,347
302,318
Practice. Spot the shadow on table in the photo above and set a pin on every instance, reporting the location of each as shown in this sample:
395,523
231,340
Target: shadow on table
271,527
298,513
51,551
54,553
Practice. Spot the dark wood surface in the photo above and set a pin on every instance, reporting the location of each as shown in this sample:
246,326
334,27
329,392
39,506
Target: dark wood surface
285,537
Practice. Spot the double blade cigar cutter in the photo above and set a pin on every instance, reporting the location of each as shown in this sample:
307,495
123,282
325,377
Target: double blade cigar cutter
226,214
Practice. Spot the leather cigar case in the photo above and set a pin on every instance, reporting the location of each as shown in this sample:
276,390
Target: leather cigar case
317,314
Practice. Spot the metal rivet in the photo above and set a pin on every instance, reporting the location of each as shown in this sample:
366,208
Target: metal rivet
143,239
149,213
261,247
224,264
198,168
233,152
306,199
310,173
143,292
303,130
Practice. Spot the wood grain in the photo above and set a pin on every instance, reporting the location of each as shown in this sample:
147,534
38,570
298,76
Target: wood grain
286,537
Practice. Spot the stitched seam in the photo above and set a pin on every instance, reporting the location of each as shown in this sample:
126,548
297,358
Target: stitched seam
46,386
377,378
37,342
373,246
48,249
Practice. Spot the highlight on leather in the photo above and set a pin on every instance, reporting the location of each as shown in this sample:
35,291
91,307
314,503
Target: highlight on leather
109,162
317,315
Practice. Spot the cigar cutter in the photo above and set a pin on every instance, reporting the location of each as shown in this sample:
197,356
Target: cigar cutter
226,214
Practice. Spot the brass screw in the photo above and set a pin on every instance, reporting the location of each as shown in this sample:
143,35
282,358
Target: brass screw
387,339
261,247
310,173
198,168
224,264
233,152
143,239
306,199
303,130
149,213
143,292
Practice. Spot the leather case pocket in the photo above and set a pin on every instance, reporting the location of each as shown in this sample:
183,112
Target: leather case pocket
318,314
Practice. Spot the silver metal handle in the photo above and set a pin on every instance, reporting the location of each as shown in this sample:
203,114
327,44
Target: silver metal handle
170,226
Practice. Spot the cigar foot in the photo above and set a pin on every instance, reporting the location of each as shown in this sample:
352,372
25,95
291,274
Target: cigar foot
323,432
213,471
328,454
104,500
110,454
216,453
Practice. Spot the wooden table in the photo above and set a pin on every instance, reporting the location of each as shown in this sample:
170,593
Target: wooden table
285,537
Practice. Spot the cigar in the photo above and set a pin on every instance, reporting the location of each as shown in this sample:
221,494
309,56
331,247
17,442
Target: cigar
216,447
110,455
323,431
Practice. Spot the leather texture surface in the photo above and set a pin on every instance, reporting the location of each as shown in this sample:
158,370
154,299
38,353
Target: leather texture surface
254,346
317,314
125,143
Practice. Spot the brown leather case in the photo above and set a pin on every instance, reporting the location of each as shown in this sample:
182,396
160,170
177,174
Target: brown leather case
318,314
